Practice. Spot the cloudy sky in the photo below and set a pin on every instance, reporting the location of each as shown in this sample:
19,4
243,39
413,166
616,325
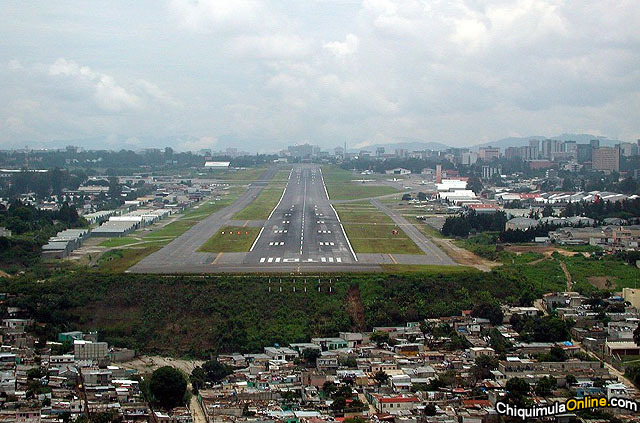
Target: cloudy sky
264,74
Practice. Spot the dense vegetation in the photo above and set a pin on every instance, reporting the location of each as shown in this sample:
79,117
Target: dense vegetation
31,228
602,209
23,218
473,222
201,315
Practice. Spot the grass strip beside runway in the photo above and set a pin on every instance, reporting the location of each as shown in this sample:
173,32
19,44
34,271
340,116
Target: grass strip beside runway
371,231
340,185
230,239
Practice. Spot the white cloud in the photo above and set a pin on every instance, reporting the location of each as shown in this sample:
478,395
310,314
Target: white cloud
343,48
268,73
217,15
108,95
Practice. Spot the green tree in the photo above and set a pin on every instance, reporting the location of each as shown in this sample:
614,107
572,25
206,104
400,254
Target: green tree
215,371
379,338
545,385
329,388
168,387
636,335
430,409
483,366
517,390
381,377
490,311
310,355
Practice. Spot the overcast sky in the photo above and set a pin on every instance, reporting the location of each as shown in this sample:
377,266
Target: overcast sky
265,74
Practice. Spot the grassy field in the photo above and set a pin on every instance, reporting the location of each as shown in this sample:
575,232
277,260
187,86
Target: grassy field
584,270
241,175
118,242
427,230
119,260
371,231
261,207
192,216
340,186
230,239
282,175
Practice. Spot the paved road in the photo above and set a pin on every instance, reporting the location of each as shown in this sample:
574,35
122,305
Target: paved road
303,228
434,254
181,253
303,234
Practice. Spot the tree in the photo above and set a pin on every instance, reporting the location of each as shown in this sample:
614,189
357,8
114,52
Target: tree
636,335
475,185
215,371
310,355
490,311
427,331
483,366
168,387
571,380
406,197
430,409
545,385
379,337
381,377
329,388
517,390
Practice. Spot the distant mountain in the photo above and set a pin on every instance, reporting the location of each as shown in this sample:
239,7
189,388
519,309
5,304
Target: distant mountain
520,141
406,145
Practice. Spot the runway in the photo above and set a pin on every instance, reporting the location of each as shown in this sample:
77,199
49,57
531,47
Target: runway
303,228
302,234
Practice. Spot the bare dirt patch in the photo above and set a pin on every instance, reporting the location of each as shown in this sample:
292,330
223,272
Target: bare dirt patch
602,282
355,308
465,257
547,250
147,364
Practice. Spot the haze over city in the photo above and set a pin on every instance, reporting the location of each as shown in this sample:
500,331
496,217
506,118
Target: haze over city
266,74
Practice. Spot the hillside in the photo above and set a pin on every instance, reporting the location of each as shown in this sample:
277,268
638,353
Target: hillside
199,315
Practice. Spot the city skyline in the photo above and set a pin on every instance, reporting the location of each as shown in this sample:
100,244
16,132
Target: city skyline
268,74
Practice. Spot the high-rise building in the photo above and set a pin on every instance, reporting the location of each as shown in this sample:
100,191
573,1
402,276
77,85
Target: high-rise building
300,151
628,149
379,151
606,159
584,153
489,153
469,158
595,143
438,174
489,171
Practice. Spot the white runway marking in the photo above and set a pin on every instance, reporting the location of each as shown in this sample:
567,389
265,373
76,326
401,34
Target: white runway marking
262,259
